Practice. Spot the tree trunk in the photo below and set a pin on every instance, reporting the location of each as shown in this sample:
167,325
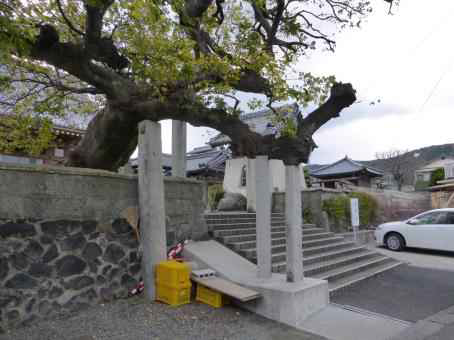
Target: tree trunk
109,141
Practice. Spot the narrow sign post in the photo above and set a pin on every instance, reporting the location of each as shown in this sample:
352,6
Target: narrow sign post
354,212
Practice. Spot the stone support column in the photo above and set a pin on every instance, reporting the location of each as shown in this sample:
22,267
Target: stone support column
250,185
151,203
179,148
263,215
293,214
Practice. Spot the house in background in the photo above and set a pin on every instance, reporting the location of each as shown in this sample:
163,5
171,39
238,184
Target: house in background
204,162
423,175
239,171
65,139
345,172
442,193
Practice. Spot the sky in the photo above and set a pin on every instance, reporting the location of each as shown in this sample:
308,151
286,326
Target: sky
406,61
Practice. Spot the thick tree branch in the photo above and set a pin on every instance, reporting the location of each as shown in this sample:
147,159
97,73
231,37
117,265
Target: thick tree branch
67,21
196,8
94,19
342,96
116,128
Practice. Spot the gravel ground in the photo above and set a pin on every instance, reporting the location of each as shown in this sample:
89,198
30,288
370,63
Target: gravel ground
137,320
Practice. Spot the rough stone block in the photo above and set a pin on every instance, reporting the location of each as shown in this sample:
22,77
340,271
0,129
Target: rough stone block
39,269
51,254
70,265
12,229
91,251
21,281
114,253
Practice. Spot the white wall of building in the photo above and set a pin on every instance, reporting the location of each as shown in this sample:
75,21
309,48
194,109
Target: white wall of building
232,178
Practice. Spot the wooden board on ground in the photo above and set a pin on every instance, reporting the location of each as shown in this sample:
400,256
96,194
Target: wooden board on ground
228,288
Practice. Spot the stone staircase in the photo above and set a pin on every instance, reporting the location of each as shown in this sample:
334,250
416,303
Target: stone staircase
325,255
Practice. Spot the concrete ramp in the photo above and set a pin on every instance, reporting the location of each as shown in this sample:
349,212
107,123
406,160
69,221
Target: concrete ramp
286,302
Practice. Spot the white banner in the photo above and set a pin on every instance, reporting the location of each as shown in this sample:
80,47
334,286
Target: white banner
354,212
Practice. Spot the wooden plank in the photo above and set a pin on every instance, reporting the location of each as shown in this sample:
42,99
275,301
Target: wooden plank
228,288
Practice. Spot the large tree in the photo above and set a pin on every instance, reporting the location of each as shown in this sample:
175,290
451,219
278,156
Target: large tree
177,59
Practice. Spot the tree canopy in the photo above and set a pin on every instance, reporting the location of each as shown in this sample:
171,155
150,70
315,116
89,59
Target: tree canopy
190,60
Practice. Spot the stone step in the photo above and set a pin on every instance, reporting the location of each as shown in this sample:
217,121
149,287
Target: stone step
237,214
252,244
307,231
278,253
240,225
319,268
283,240
337,285
351,269
251,253
243,231
249,237
327,248
241,221
279,267
331,255
279,234
308,237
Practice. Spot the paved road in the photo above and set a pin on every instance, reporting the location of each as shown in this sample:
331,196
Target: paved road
410,292
436,327
133,319
421,257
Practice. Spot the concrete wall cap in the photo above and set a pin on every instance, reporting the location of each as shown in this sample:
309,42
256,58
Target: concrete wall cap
63,170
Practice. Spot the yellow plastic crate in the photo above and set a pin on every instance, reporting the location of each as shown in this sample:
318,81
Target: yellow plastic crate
173,296
173,274
209,296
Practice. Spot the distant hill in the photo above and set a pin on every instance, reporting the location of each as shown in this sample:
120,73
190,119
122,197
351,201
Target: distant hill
414,159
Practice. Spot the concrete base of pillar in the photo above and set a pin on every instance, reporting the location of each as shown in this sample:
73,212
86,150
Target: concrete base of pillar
287,302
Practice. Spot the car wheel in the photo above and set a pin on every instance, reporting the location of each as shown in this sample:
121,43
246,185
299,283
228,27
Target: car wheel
395,242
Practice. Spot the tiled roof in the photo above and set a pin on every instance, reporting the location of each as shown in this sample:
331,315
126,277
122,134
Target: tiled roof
260,122
198,159
344,166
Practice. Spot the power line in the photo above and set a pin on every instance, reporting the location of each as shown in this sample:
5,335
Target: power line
434,89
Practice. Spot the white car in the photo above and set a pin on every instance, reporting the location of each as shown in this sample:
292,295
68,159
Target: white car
432,229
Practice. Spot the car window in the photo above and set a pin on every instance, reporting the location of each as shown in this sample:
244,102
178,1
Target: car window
449,218
435,217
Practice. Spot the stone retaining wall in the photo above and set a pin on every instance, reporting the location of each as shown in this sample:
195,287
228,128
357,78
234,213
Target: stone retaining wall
65,241
392,205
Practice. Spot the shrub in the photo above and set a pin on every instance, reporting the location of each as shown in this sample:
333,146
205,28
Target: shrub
307,216
367,207
338,209
215,194
436,176
421,185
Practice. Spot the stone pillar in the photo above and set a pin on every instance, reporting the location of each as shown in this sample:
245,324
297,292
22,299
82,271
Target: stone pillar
303,177
293,214
178,148
250,185
151,203
263,215
325,222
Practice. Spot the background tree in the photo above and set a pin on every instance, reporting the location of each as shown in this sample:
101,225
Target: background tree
178,59
400,164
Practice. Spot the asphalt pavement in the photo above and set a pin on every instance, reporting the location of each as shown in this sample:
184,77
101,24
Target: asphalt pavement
406,292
